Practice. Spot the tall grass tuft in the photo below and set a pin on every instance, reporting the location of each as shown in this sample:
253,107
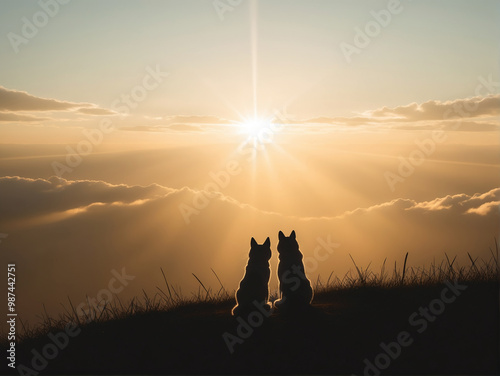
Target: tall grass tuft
479,270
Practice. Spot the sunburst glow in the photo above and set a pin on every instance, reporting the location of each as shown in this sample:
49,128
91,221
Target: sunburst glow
256,127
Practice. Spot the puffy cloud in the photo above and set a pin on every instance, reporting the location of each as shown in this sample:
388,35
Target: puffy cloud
15,106
12,100
437,110
486,208
399,204
24,198
442,203
451,125
462,204
458,204
436,113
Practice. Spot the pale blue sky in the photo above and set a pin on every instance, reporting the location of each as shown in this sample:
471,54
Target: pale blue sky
93,51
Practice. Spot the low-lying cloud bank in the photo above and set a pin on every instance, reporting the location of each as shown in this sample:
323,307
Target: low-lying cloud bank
469,114
25,198
475,114
20,106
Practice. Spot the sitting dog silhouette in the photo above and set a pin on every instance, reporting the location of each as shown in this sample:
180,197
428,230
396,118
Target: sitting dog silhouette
254,287
294,287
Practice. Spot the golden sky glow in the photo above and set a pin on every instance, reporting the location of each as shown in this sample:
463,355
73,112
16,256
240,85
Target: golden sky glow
136,136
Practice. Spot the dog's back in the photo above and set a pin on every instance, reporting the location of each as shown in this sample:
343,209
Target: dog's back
295,287
254,285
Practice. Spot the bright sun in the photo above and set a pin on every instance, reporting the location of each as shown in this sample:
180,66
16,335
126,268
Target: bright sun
255,127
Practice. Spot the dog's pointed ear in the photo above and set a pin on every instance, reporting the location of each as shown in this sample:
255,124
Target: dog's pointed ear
253,243
267,243
281,236
292,235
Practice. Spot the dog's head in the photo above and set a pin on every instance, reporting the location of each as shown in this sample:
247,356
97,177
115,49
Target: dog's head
260,252
287,244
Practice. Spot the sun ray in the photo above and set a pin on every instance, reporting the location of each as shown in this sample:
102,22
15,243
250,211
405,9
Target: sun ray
253,46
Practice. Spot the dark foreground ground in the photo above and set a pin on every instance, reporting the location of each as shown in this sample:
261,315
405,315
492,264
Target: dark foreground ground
340,335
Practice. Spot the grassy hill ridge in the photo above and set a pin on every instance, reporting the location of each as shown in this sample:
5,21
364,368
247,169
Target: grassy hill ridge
370,325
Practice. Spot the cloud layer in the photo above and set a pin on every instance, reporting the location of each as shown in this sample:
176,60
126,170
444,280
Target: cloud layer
15,106
24,198
180,123
436,110
469,112
13,117
12,100
476,114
